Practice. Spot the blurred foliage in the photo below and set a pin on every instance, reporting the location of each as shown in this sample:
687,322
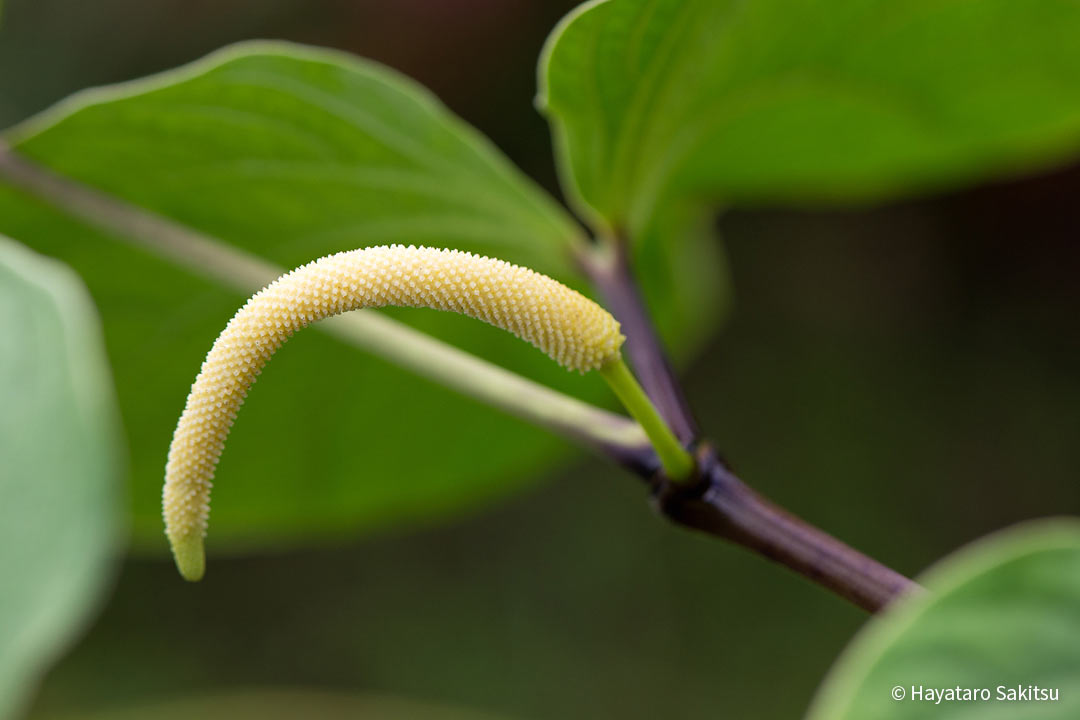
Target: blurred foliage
1000,616
904,378
278,704
292,154
663,110
804,100
60,474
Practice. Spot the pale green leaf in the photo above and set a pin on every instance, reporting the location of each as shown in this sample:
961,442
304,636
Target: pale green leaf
1001,618
60,466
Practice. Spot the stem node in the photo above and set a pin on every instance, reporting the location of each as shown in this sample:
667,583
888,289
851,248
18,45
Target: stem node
722,505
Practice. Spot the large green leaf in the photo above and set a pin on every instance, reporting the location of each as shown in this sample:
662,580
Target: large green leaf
323,149
662,110
1002,617
804,100
290,153
59,465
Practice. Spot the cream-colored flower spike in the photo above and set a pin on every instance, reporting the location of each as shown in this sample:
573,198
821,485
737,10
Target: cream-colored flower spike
576,332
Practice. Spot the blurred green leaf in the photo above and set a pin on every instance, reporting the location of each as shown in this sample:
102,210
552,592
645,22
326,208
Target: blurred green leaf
60,467
278,704
804,100
662,110
291,153
1001,615
290,150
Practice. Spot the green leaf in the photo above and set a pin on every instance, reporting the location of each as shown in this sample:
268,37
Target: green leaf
290,153
1001,615
324,149
61,466
658,101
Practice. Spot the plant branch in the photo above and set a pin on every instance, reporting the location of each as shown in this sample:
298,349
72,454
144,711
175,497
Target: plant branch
722,505
608,267
613,435
715,501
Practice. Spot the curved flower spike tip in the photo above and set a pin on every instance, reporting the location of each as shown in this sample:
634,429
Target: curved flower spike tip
576,332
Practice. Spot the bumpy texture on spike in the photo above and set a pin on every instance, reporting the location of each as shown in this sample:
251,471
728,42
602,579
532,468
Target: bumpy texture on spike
576,332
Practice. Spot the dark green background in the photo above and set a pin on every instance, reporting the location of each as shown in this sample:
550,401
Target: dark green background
903,376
